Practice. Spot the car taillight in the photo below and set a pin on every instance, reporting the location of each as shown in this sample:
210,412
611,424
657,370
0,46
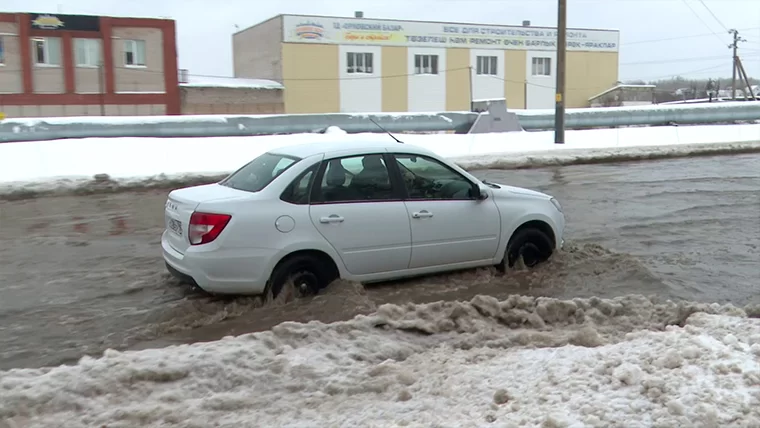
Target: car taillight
205,227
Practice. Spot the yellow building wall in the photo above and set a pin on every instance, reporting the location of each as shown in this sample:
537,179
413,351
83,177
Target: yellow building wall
458,79
395,79
515,70
589,73
310,77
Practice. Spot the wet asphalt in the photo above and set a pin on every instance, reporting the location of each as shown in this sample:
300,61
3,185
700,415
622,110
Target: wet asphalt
80,274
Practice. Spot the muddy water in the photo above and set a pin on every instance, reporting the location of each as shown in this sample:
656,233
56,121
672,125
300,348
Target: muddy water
81,274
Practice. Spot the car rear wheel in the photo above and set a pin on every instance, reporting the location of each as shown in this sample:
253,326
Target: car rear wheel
529,244
303,272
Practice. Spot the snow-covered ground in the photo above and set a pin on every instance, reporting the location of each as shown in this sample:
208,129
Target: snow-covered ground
523,362
57,164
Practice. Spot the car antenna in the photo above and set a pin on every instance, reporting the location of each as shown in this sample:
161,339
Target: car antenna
385,130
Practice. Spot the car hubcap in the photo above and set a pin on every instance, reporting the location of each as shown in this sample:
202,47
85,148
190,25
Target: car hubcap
531,255
305,283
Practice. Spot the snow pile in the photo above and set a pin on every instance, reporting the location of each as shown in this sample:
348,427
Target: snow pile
522,362
230,82
44,166
335,131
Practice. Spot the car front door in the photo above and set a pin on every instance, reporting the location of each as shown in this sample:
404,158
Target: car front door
449,225
359,210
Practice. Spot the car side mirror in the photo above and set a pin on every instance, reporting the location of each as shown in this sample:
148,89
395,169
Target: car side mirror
483,194
479,193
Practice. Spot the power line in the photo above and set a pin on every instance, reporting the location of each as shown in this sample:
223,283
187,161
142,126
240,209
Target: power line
669,61
702,20
713,15
665,39
285,80
701,70
523,82
648,62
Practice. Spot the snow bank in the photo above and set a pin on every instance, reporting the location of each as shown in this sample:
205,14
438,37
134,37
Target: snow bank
523,362
230,82
624,109
44,166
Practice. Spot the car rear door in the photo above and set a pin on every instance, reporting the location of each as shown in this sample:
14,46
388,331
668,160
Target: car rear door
448,225
363,218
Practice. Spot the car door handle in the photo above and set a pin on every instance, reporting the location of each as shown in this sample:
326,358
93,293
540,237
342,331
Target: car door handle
422,214
331,219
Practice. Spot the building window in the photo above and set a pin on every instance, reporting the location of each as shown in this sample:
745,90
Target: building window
47,50
487,65
87,52
542,67
2,51
134,53
426,64
357,62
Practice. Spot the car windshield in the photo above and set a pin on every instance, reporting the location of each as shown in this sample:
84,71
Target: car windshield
257,174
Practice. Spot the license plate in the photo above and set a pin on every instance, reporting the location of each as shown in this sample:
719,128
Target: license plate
175,226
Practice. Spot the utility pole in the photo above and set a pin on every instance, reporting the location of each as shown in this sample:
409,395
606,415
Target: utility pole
472,96
559,107
101,85
734,58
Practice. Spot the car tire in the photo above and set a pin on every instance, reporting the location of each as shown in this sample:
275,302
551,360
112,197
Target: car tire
305,273
530,244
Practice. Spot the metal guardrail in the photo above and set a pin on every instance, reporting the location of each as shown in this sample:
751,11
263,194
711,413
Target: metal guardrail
36,129
646,115
39,129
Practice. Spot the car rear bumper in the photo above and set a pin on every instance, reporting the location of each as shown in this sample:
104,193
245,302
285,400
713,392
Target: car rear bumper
242,271
182,277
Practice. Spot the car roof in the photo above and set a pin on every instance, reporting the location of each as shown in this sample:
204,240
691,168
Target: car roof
342,147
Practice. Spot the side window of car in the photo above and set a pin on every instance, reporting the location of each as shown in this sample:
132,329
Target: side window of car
427,178
298,191
362,178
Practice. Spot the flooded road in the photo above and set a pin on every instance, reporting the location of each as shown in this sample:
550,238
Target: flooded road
80,274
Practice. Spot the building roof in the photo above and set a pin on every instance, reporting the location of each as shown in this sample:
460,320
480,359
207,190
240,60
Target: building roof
229,82
365,18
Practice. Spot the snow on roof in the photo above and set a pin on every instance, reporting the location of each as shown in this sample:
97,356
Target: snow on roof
622,86
230,82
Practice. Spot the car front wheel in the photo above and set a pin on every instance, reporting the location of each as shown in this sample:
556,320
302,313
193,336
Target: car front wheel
529,244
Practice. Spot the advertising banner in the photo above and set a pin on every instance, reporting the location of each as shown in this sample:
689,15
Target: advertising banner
46,21
313,29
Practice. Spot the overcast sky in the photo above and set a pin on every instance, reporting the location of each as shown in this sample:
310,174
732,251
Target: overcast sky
659,38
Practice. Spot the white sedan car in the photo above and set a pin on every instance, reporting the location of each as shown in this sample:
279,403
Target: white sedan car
365,212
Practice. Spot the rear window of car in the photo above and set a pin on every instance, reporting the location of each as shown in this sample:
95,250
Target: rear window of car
257,174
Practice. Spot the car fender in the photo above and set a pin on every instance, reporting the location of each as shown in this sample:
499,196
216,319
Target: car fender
310,245
509,228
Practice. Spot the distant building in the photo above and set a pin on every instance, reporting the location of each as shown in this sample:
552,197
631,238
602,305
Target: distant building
77,65
332,64
227,95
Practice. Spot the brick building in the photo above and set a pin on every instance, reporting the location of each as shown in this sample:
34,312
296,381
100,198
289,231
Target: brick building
228,95
79,65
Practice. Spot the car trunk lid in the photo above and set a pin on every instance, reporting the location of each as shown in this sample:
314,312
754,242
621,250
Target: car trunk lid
181,203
